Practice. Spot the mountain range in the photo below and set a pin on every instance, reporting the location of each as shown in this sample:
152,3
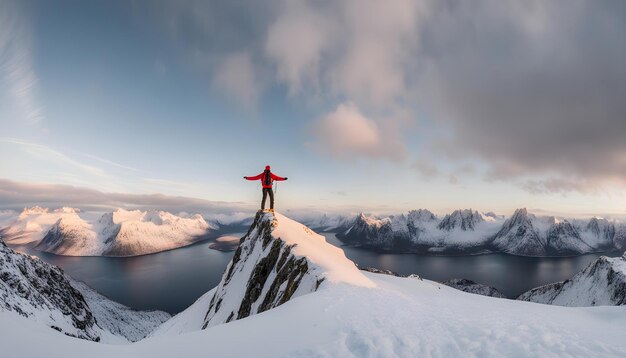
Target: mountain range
470,232
119,233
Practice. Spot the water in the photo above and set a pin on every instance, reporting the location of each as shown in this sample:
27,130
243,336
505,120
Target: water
173,280
511,275
169,281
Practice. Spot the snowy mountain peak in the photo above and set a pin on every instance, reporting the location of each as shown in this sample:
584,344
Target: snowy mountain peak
602,283
461,219
421,215
278,259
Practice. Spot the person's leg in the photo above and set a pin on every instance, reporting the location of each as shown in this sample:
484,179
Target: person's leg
271,192
264,197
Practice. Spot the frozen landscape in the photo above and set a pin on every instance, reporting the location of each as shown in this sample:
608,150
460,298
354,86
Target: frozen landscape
287,292
119,233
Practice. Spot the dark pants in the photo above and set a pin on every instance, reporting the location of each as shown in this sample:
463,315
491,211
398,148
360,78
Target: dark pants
266,191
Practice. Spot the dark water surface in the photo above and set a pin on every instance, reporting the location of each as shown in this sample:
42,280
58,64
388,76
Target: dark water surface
173,280
511,275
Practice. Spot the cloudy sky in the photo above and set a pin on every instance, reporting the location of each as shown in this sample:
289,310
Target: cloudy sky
379,105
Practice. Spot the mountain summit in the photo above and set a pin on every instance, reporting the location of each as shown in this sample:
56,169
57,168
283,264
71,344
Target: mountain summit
277,260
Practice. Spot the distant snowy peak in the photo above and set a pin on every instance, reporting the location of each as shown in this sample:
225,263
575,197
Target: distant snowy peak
470,286
461,219
421,216
277,260
528,235
32,224
118,233
602,283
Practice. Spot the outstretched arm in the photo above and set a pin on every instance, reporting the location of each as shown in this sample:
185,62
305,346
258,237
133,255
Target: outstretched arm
256,177
276,177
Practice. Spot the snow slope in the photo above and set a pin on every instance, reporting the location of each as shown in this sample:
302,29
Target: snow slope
602,283
43,293
400,317
119,233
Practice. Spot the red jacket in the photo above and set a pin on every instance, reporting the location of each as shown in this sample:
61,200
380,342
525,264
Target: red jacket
265,181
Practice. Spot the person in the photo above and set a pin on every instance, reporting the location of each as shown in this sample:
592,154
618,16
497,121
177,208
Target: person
267,179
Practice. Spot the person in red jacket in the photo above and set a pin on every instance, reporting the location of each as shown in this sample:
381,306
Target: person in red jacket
267,179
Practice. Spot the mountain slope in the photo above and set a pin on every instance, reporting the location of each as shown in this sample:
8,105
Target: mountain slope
602,283
43,293
401,317
277,260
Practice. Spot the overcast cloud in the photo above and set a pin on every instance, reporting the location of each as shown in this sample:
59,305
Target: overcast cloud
534,89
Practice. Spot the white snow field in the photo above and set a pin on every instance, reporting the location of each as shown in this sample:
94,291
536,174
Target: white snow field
351,314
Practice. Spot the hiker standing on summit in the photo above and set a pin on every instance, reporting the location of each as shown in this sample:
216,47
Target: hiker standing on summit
267,179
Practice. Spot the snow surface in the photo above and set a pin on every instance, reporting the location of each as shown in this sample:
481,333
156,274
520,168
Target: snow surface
400,317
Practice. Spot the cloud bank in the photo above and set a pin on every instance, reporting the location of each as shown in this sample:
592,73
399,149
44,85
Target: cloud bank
17,195
533,90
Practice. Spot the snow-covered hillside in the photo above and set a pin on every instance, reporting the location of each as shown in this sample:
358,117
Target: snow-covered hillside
44,294
470,232
351,314
602,283
118,233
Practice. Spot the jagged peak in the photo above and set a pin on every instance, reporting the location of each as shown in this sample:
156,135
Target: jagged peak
278,259
314,247
421,215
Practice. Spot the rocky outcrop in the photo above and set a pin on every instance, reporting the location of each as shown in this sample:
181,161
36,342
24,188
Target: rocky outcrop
278,259
461,219
470,286
602,283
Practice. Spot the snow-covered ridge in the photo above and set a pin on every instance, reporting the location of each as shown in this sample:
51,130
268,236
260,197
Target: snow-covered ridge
43,293
602,283
470,286
118,233
278,259
470,232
